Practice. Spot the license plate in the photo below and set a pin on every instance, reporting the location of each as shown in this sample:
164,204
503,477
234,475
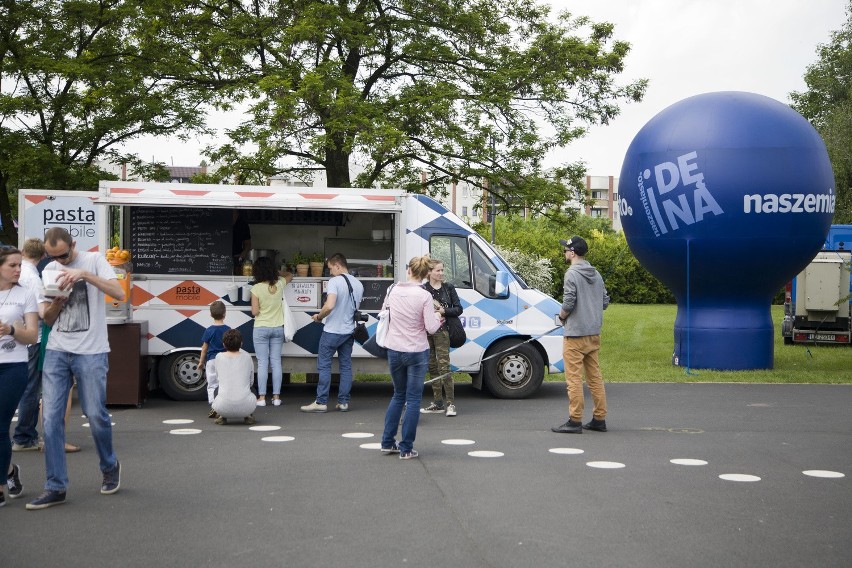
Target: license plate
822,336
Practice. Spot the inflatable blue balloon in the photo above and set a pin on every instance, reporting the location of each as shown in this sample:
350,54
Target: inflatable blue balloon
725,197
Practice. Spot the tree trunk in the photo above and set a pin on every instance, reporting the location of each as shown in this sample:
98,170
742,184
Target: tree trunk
9,234
337,168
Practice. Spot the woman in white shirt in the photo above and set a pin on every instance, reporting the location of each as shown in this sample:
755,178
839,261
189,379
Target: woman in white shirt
18,328
234,369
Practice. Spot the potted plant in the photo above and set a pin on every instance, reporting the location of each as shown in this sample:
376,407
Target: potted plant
317,262
301,262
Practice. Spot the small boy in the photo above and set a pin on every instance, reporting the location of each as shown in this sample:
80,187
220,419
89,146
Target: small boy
236,374
211,345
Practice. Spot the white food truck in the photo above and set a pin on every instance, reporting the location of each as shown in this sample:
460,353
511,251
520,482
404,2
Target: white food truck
180,237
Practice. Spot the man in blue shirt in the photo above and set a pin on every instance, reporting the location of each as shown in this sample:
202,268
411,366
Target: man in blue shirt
343,297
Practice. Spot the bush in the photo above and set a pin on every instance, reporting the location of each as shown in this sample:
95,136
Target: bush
535,246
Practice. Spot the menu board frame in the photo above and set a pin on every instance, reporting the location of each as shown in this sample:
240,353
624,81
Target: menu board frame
181,240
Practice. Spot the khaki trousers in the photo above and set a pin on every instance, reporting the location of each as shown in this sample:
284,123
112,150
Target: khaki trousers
581,354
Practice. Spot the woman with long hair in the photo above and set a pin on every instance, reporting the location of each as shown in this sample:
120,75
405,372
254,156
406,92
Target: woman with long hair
446,301
18,329
412,318
267,297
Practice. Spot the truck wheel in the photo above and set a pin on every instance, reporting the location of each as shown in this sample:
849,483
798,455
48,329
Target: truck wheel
788,340
180,377
515,374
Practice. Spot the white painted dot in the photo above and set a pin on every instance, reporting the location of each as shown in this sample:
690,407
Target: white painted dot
565,451
15,419
372,446
86,425
687,461
178,421
457,442
264,428
605,465
824,473
485,454
278,438
739,477
185,431
357,435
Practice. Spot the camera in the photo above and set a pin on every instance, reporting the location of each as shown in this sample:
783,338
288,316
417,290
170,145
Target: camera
358,316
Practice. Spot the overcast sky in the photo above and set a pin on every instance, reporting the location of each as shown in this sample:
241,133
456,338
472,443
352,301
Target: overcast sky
684,47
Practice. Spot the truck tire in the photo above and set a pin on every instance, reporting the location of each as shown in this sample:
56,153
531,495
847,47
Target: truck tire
180,377
515,374
788,340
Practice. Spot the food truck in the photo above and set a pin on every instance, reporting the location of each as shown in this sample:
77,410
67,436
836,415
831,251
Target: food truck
180,239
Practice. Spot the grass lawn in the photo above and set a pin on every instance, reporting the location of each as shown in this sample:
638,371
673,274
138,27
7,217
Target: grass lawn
637,343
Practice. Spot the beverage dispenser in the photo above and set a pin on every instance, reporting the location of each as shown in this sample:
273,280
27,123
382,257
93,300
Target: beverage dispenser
119,311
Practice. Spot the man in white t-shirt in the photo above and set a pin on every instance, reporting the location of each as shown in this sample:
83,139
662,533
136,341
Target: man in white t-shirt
77,346
25,437
336,336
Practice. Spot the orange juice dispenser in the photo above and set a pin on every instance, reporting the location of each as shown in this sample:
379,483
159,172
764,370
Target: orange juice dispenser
119,311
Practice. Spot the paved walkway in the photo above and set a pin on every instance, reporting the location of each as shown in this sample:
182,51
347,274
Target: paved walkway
688,475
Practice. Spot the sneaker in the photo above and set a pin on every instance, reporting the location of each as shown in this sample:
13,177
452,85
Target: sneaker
314,407
31,447
342,406
276,402
221,420
408,455
392,450
433,408
596,425
13,482
47,499
570,427
212,414
261,402
2,500
112,480
249,420
451,410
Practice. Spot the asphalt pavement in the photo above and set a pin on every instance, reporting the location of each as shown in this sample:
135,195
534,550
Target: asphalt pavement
306,493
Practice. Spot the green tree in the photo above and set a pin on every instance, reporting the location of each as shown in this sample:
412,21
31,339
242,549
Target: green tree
827,103
76,81
470,90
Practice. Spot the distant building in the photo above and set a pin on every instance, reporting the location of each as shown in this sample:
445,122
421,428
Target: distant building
603,191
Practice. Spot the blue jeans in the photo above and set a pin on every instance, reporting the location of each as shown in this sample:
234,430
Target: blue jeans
13,381
267,347
25,432
328,344
91,371
408,371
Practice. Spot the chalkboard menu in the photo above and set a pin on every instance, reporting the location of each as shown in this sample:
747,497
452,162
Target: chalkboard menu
180,240
374,294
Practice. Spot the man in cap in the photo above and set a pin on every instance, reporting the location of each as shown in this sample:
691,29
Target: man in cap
585,299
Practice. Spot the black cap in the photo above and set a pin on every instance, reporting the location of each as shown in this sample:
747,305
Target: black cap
577,244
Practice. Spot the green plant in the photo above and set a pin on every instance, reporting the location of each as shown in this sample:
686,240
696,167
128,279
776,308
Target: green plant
300,258
316,257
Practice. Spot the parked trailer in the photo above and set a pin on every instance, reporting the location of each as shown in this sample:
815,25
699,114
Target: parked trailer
817,301
180,239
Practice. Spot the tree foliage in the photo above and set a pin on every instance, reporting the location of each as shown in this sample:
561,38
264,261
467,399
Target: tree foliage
827,103
470,90
76,81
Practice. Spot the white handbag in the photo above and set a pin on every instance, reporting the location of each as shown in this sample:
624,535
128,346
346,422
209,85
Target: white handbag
382,327
289,323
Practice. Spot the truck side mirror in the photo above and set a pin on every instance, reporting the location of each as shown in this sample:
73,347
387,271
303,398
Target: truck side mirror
501,284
